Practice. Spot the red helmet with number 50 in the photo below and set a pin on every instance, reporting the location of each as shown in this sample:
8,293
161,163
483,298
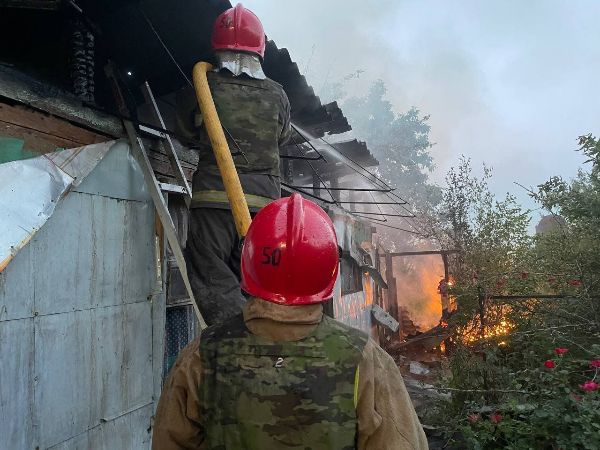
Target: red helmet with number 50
238,29
290,253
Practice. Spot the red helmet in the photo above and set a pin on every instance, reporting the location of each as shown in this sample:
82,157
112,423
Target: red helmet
290,253
238,29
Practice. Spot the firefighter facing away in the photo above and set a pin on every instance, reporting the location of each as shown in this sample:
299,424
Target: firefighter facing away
255,113
282,375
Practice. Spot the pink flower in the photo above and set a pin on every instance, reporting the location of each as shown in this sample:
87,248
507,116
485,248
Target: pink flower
589,386
561,350
524,275
496,418
549,364
473,417
574,282
595,364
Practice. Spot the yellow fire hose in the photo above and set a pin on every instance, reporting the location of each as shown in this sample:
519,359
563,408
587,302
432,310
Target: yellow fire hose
231,180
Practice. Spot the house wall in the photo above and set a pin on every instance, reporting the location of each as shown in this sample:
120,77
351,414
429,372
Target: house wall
82,320
355,309
353,292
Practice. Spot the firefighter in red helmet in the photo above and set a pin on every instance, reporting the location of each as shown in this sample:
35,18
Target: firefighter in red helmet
282,375
255,112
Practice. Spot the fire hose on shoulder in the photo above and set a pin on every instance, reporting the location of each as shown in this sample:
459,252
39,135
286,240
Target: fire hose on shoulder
231,180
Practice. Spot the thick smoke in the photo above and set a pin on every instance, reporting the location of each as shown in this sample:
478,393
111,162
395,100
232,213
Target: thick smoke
504,82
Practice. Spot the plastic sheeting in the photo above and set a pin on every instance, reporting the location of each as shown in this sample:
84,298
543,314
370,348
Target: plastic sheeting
31,189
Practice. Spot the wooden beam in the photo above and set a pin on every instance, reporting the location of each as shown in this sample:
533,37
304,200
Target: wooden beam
35,141
44,132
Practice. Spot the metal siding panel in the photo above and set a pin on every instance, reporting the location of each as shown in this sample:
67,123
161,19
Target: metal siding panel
63,252
65,357
105,238
124,358
108,231
131,432
16,288
139,251
80,442
16,384
90,346
118,176
158,342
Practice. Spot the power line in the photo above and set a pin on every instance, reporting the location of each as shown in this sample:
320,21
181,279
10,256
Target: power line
151,25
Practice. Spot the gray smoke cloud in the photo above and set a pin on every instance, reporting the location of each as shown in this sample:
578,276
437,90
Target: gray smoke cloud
510,83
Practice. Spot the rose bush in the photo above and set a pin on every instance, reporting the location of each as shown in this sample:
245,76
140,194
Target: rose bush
531,407
535,384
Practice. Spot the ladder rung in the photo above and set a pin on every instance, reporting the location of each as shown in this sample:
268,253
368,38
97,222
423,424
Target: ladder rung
152,132
175,188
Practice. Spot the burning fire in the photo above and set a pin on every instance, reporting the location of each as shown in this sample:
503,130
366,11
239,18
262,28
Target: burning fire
472,332
417,279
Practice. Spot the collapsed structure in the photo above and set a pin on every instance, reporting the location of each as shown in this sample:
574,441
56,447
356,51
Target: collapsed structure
93,310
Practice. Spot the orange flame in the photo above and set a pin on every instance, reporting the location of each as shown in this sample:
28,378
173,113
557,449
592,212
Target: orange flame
417,280
471,332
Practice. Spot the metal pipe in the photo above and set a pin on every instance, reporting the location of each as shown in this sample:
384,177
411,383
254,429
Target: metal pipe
424,252
368,213
373,203
350,189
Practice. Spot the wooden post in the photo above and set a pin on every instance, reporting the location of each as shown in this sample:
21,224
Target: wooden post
316,185
394,310
352,198
334,184
446,270
378,300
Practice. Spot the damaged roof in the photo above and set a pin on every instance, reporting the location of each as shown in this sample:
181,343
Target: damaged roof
307,110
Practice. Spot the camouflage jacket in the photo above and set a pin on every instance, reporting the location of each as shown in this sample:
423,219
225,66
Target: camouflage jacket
385,415
256,117
257,394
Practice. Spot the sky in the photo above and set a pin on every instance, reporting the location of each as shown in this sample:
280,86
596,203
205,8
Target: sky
508,83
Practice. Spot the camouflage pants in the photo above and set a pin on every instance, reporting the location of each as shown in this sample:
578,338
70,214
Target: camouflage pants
213,263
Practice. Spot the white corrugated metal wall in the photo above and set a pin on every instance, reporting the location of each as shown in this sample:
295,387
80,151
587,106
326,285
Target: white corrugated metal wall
82,320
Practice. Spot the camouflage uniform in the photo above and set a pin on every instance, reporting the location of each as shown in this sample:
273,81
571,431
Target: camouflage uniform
285,378
256,113
259,395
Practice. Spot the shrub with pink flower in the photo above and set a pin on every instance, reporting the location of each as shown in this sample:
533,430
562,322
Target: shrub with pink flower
589,386
549,364
561,350
595,364
473,417
496,418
